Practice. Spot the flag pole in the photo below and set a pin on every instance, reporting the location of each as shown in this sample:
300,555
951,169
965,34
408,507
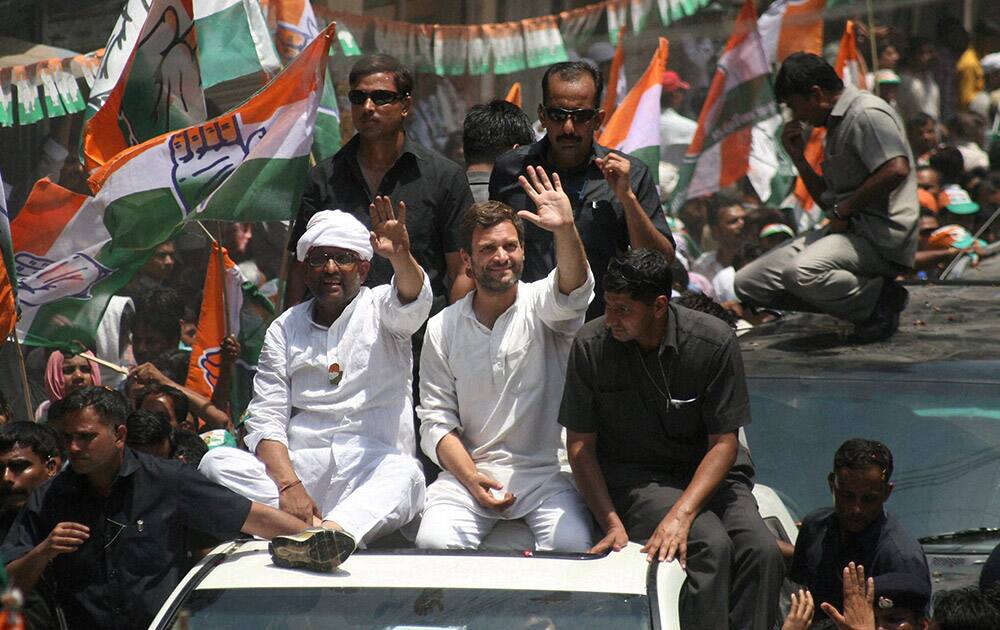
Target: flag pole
28,405
222,280
873,47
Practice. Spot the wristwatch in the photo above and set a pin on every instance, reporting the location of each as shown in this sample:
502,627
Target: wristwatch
836,213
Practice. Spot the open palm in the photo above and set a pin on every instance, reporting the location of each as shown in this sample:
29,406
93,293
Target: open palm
553,209
389,236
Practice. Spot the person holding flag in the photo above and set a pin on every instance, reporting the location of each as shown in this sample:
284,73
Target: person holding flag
613,195
869,191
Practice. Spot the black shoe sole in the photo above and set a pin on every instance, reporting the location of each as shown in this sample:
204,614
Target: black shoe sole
321,550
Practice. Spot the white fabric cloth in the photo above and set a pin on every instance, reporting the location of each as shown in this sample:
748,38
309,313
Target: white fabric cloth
560,523
676,132
973,155
500,389
112,340
708,265
722,285
335,434
918,94
335,228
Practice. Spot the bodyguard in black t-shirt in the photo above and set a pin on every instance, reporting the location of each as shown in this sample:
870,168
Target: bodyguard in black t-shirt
655,395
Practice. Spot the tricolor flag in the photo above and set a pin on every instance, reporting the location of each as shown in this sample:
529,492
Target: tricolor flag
246,165
8,297
245,313
181,47
740,96
514,94
789,26
219,316
297,26
850,65
635,126
617,88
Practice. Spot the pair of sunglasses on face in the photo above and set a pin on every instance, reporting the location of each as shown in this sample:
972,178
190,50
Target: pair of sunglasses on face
581,115
379,97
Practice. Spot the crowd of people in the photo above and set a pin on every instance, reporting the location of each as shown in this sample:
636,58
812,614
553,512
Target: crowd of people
533,338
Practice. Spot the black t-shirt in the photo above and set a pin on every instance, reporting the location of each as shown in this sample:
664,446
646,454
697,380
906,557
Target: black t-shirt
434,189
616,390
600,217
136,553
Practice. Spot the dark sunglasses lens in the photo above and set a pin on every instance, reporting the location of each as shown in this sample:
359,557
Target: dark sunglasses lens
357,97
557,114
383,97
583,115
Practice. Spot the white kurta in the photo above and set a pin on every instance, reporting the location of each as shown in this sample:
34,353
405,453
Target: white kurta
501,390
336,434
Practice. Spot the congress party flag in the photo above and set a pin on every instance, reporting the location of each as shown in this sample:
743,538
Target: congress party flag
180,48
246,165
789,26
8,299
635,126
850,65
222,299
740,95
297,26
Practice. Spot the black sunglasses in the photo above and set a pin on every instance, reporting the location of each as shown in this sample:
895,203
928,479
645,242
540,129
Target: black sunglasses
343,260
582,115
379,97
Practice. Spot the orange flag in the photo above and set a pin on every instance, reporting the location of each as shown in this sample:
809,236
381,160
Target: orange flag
203,370
615,85
514,94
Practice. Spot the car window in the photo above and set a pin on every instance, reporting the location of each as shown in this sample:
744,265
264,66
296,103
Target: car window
407,608
945,440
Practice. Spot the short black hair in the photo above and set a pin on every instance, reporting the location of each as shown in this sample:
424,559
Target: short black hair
642,273
719,201
919,121
859,453
800,72
160,309
704,304
965,609
379,63
109,404
486,214
188,447
181,405
491,129
40,438
147,428
572,71
949,163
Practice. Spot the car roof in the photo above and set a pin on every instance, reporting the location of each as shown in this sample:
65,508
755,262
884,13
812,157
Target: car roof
948,333
248,565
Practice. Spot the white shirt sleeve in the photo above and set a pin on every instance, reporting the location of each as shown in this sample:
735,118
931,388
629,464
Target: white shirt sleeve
563,313
438,408
401,319
270,410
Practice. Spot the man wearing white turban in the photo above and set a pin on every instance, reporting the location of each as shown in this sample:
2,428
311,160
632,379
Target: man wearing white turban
331,420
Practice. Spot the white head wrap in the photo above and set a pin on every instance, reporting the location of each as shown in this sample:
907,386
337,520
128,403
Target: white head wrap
335,228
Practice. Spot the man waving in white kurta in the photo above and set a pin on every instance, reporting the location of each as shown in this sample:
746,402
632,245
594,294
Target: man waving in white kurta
491,376
331,420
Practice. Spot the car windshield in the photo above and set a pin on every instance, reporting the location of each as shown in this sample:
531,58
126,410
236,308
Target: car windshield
944,437
409,609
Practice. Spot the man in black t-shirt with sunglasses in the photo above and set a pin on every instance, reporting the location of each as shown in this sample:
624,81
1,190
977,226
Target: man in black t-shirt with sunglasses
614,198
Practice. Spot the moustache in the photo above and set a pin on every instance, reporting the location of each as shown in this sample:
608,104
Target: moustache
568,136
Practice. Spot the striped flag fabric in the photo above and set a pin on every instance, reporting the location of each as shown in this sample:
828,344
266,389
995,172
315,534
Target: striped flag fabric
219,315
850,65
789,26
617,88
249,164
8,277
181,48
739,96
514,94
297,26
635,126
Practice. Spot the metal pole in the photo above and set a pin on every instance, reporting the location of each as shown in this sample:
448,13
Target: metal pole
29,406
871,44
979,232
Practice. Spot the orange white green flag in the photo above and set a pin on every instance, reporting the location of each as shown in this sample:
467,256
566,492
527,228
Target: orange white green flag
789,26
249,164
739,96
8,277
850,65
220,315
634,128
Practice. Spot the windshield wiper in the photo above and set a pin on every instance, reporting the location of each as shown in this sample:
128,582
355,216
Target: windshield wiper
963,536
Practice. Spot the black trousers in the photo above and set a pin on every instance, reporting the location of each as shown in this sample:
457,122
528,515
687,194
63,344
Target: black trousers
734,567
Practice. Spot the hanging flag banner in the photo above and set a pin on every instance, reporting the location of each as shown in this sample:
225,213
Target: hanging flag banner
249,164
479,51
507,43
29,108
543,44
69,91
789,26
617,18
53,103
420,45
673,10
739,96
233,41
577,25
635,126
640,10
451,49
6,100
348,42
390,38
